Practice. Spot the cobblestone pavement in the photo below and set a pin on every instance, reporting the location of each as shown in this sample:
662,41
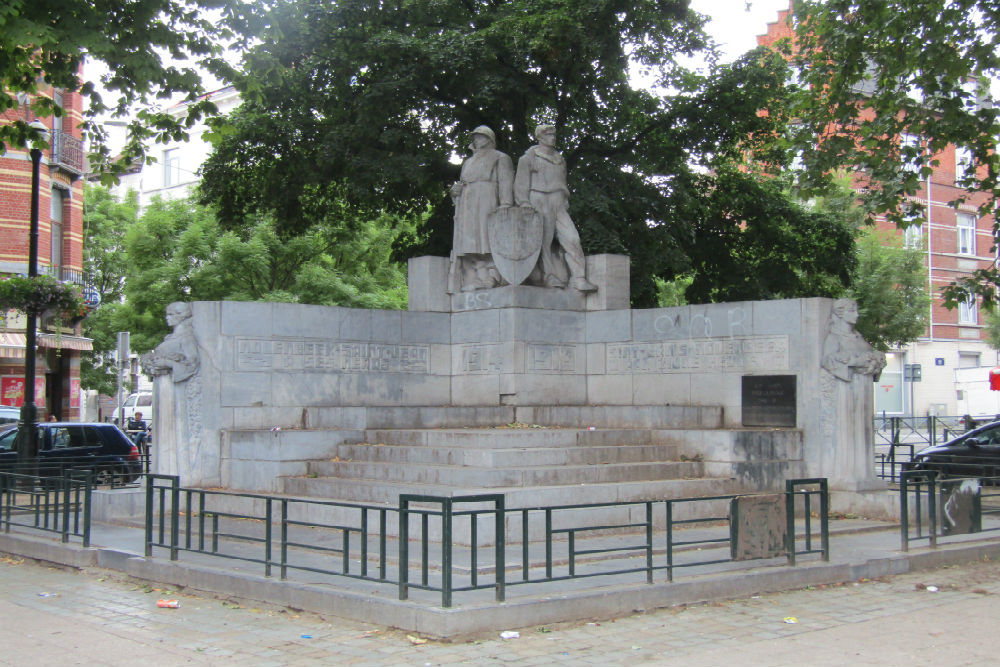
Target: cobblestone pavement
60,617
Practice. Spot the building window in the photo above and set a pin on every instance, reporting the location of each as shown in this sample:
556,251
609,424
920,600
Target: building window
171,168
963,165
967,312
58,202
910,153
913,236
913,230
966,234
968,360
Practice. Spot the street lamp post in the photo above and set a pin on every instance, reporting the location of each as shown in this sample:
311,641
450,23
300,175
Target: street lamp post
27,450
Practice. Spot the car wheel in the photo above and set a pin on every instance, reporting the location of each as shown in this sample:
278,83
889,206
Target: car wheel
109,476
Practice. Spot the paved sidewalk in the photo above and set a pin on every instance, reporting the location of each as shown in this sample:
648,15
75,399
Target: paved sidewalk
58,617
859,549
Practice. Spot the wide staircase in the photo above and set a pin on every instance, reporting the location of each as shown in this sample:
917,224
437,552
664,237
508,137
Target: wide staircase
535,457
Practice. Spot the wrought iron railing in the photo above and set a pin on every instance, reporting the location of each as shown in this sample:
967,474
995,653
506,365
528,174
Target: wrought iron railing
49,504
449,545
934,507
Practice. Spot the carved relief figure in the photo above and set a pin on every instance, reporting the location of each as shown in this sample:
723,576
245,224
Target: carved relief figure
178,353
849,364
845,352
540,183
485,185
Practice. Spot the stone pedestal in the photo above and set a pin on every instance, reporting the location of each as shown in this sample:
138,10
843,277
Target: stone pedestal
428,279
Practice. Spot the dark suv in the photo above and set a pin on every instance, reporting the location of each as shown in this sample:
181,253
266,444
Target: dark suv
96,446
972,454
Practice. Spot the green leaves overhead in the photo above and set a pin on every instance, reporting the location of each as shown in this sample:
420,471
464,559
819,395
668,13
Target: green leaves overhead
151,50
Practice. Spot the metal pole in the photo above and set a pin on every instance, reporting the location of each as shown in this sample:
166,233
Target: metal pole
27,449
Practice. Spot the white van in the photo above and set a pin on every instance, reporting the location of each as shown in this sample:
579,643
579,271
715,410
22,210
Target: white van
139,402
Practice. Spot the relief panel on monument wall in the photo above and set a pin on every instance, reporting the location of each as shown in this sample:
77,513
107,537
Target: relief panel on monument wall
538,358
336,357
732,355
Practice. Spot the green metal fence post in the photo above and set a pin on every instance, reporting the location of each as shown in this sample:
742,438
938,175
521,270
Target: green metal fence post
499,529
446,519
649,542
149,515
790,520
824,518
175,516
904,512
269,510
404,548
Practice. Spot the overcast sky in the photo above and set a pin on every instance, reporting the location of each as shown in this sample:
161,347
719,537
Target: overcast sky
735,24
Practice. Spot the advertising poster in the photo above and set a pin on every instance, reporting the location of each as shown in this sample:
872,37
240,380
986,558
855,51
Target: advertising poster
12,390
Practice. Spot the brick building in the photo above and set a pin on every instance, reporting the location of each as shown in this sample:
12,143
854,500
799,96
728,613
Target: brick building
955,242
60,254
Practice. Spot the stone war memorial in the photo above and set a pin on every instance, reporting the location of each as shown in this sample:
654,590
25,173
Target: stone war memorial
518,368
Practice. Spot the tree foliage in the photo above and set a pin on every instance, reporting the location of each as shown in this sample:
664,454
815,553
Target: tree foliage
890,287
369,104
176,251
105,220
151,50
873,70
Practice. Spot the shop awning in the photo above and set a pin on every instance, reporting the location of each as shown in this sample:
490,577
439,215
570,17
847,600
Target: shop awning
65,342
11,345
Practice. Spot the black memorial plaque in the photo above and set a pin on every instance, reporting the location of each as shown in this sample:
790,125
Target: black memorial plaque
769,400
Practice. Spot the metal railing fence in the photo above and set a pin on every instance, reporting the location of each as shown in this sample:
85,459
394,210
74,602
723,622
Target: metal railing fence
49,504
897,439
460,544
932,507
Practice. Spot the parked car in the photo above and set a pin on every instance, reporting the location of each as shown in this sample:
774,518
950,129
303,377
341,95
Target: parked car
972,454
9,415
138,402
96,446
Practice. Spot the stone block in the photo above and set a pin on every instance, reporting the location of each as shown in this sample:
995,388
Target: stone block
424,327
519,296
715,389
721,320
427,279
245,389
609,326
655,324
475,327
777,317
537,389
475,390
308,389
609,389
355,325
246,318
294,320
440,361
659,389
597,359
487,358
611,275
386,326
530,325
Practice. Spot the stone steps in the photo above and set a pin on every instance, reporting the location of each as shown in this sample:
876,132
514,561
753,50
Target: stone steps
508,457
365,491
450,476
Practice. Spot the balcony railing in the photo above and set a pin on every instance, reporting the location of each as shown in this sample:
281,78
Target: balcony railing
67,152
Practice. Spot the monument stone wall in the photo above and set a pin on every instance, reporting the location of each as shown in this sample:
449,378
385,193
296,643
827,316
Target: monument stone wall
288,366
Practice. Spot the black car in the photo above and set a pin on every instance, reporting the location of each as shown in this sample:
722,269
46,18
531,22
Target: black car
975,453
99,447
